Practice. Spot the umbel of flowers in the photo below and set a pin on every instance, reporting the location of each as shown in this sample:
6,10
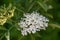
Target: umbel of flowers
33,22
6,13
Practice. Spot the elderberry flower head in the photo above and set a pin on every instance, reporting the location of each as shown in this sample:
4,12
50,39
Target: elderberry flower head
31,23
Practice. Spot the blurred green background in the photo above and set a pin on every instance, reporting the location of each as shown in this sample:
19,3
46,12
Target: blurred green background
49,8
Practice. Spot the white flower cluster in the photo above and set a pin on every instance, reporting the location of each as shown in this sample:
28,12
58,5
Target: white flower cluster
33,22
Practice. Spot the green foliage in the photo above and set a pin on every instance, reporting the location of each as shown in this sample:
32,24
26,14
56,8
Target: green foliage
12,11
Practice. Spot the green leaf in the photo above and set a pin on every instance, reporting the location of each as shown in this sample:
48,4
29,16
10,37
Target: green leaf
2,28
49,15
43,5
32,37
54,25
30,7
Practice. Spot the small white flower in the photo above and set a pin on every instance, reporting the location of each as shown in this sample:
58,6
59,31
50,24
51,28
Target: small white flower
33,22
